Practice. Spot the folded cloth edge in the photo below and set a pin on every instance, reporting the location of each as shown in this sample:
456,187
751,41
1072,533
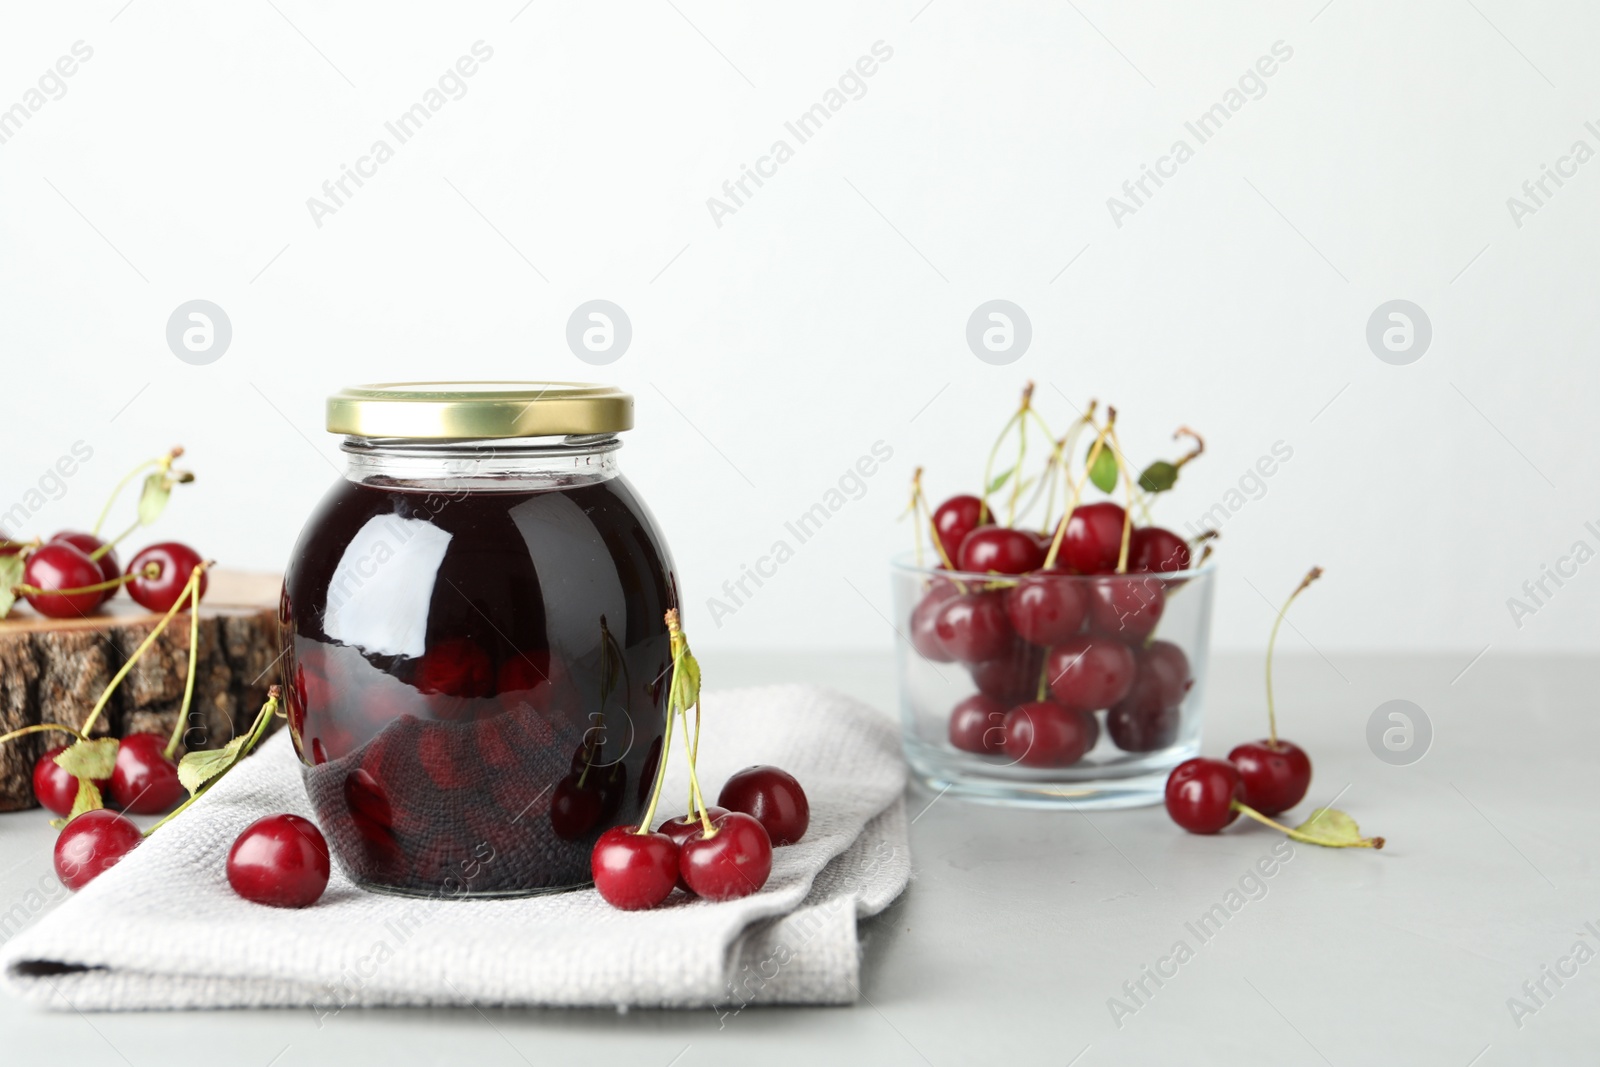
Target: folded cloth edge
869,871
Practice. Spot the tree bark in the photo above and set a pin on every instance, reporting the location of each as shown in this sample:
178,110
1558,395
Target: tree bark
53,670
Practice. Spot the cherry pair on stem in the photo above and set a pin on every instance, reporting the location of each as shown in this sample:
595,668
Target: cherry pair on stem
74,572
1259,779
718,852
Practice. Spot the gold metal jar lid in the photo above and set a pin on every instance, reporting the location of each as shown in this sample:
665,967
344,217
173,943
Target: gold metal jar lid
467,410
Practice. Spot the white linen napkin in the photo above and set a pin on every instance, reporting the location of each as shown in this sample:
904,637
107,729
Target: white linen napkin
163,929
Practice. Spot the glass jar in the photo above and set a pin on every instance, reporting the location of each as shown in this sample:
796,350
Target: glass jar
1092,709
474,639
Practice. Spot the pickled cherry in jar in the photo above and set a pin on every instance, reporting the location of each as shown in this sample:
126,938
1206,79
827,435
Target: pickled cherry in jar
474,637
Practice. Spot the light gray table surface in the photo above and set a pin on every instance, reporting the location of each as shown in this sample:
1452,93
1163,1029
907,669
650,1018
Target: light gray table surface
1020,926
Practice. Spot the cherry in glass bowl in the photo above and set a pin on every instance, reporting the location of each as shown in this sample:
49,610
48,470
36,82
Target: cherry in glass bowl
1125,652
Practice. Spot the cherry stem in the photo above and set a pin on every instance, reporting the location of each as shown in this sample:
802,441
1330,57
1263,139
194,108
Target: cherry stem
648,820
1199,446
1048,479
682,694
1300,835
1077,486
1019,420
193,591
920,508
151,570
1127,482
109,545
164,462
115,493
696,798
263,719
694,754
38,728
1272,639
1069,445
915,509
139,652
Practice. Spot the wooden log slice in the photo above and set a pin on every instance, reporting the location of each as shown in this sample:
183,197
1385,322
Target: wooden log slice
53,670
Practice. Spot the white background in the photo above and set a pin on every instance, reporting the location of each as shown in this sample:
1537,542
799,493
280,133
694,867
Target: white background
830,311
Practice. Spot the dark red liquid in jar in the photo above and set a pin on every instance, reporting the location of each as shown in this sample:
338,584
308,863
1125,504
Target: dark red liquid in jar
477,679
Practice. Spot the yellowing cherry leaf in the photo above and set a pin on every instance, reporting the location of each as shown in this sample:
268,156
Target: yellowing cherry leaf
153,499
88,798
10,575
1332,828
89,759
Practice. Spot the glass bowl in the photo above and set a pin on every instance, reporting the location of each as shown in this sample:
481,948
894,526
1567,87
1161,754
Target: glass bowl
1051,689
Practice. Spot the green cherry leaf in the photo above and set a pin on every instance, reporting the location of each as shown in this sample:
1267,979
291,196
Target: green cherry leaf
89,760
1158,477
691,678
87,799
1103,472
1000,480
10,575
198,768
1335,829
153,499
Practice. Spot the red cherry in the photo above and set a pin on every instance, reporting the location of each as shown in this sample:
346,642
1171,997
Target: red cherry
1012,678
1154,549
54,787
973,626
1133,730
175,562
446,754
1147,719
634,871
452,672
977,724
1000,549
1043,734
92,842
647,773
773,798
59,565
1201,792
574,808
537,676
953,520
1093,539
734,862
1275,775
280,861
144,781
683,827
924,617
369,807
1047,608
496,742
1090,673
89,544
612,782
1165,671
1126,607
